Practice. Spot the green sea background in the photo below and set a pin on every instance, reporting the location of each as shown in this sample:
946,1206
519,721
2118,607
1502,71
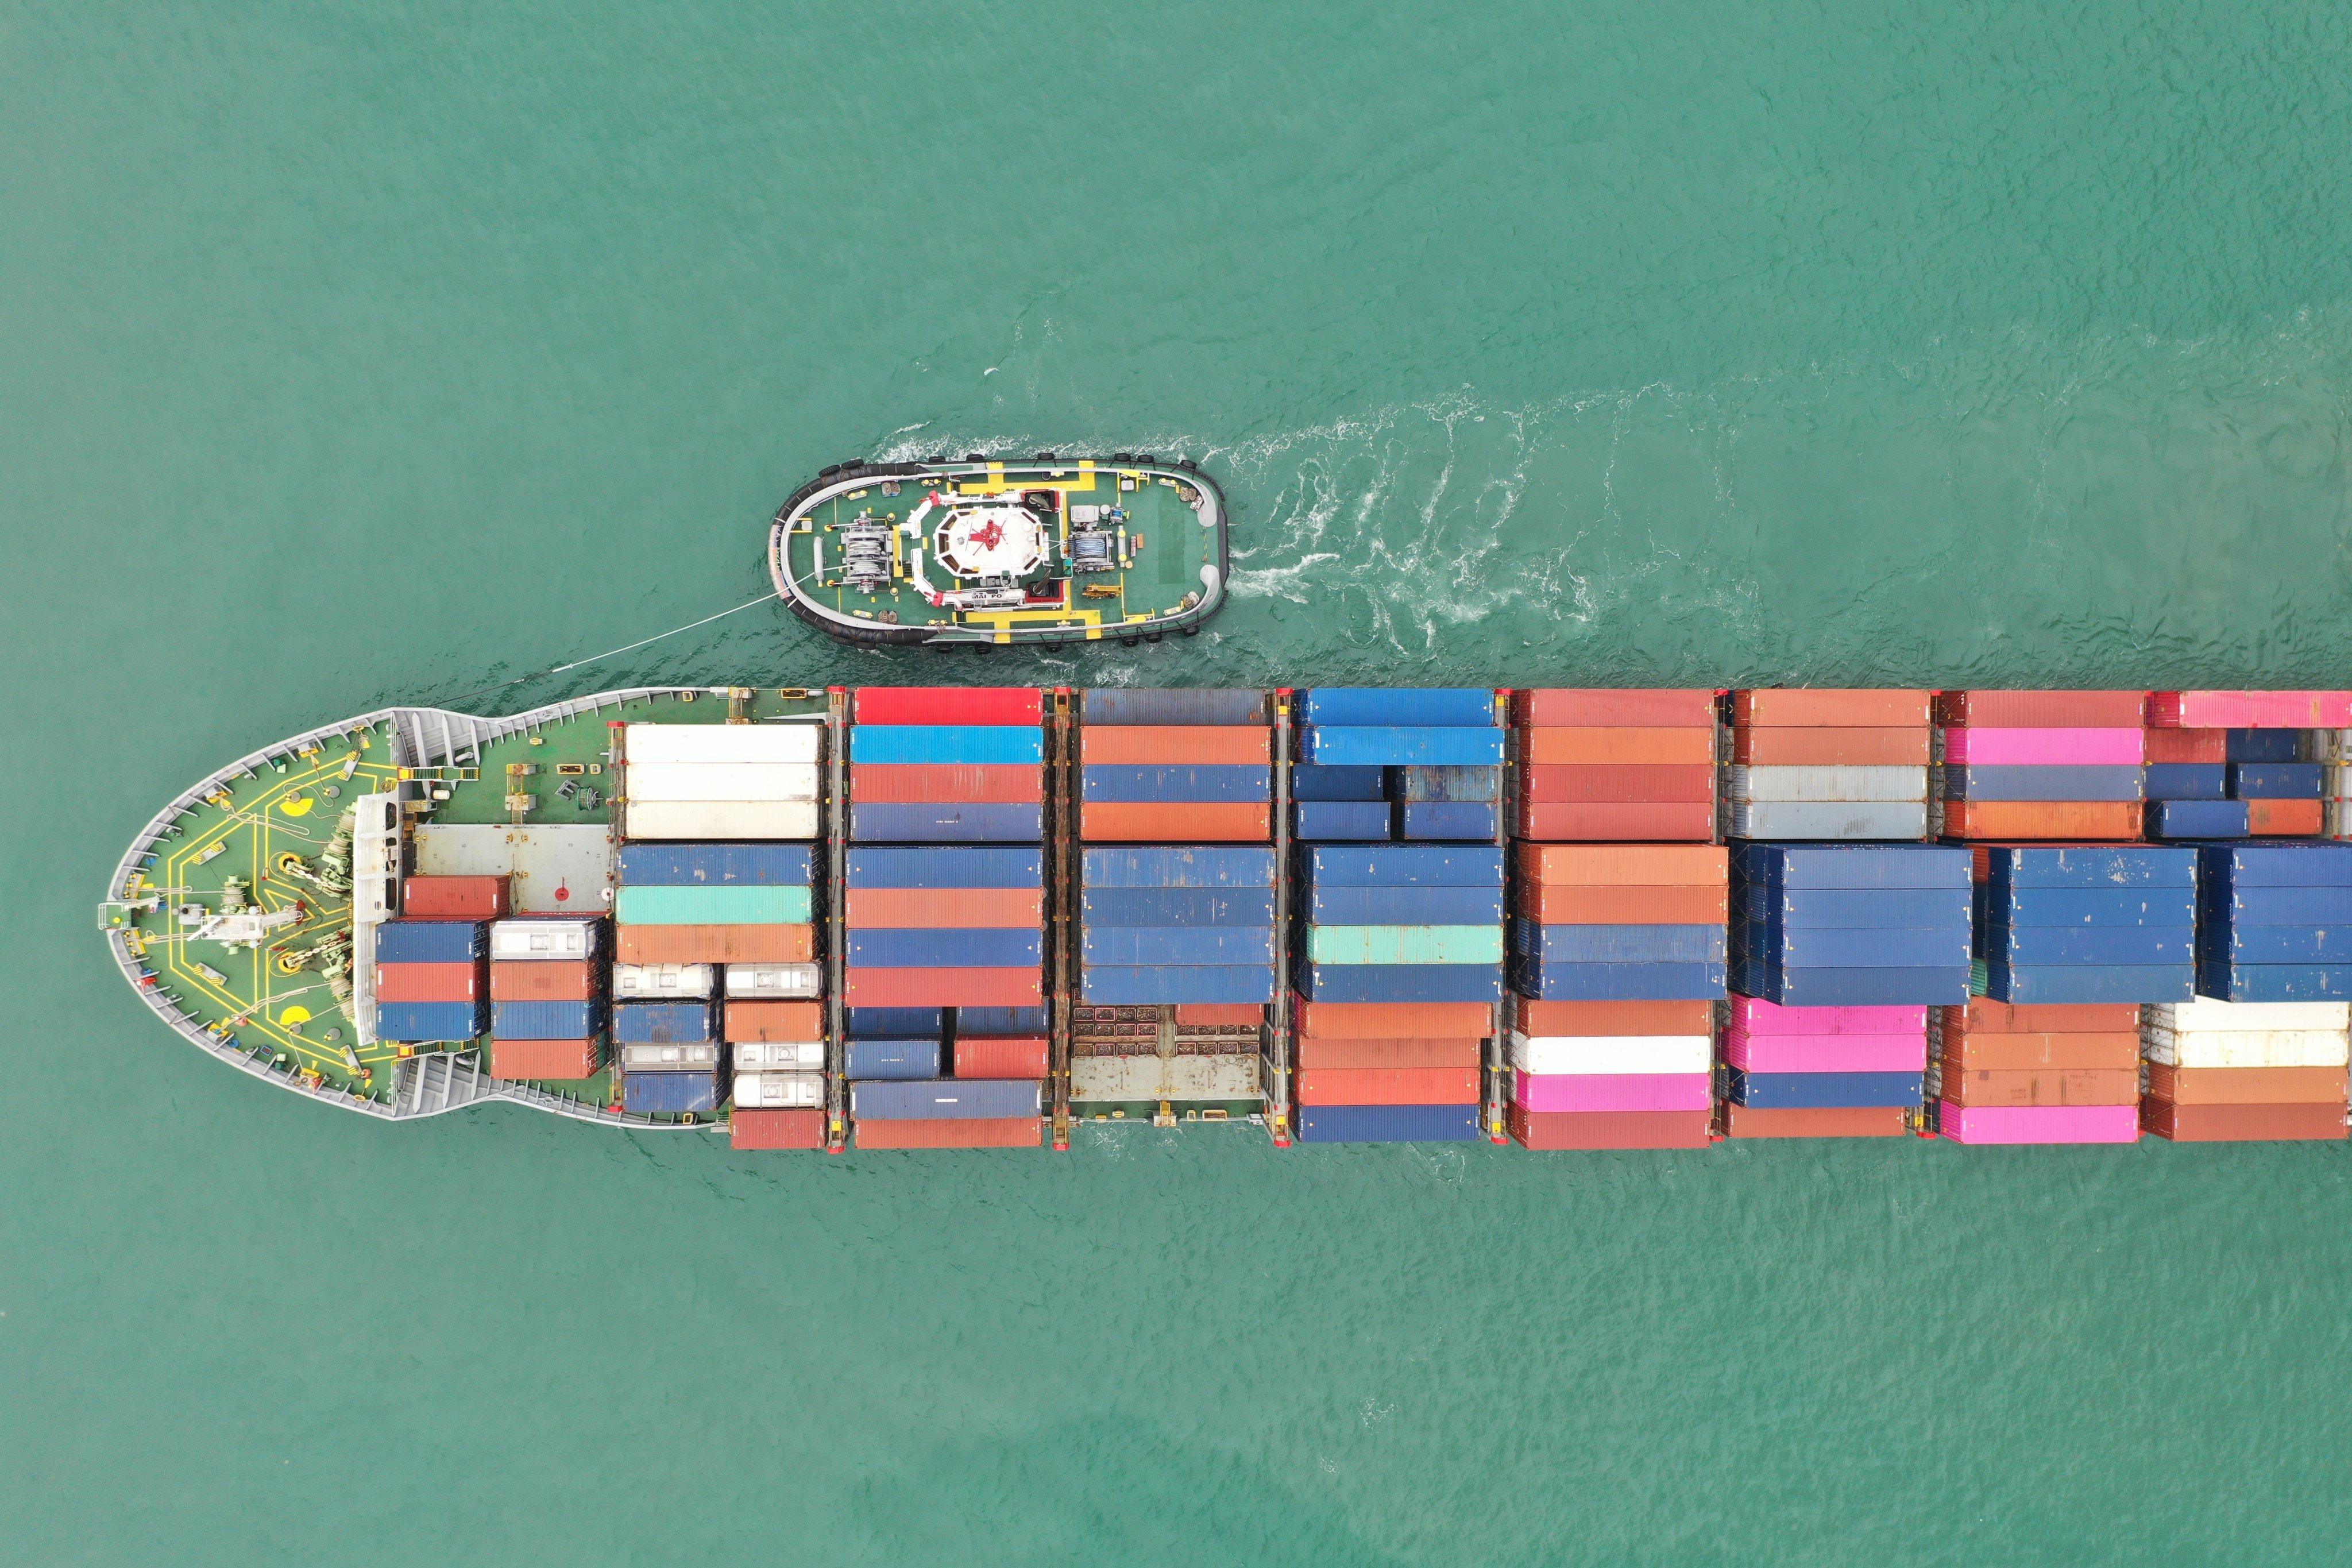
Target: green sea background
358,354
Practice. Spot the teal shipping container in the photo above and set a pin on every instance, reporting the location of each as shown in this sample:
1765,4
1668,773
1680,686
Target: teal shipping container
1405,944
717,905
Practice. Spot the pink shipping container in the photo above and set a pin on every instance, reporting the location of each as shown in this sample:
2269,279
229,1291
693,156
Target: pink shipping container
2249,709
2080,748
1614,1090
2039,1123
1762,1017
1826,1053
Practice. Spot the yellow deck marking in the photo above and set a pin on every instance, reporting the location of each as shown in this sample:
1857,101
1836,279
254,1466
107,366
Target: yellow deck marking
1000,618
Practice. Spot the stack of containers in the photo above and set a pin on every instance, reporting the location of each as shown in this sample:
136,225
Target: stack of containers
2230,1071
1001,1043
430,985
1395,926
947,765
778,1051
2274,921
1845,765
2043,764
1618,949
2062,1073
2086,923
547,997
2227,764
1615,767
1831,942
956,927
1172,925
1183,766
1389,1072
2283,794
1408,764
697,781
670,1056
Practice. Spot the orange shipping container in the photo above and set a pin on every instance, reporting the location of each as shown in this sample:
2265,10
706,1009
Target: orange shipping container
1831,747
714,944
454,898
1985,1016
1618,781
1175,745
1388,1086
1575,906
1189,822
1574,747
1626,865
1617,822
1312,1051
1545,1130
2247,1086
2242,1123
2187,745
542,980
1841,1121
939,909
1393,1020
783,1023
777,1130
1001,1056
2043,1086
2080,819
2296,819
1593,1019
560,1060
1790,706
1223,1014
1993,1052
950,783
955,1133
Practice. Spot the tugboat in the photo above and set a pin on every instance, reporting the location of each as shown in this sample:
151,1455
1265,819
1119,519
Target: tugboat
987,551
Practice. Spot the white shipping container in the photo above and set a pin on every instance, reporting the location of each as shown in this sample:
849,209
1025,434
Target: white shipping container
1827,784
721,819
775,982
1163,1078
702,1055
645,783
779,1091
1568,1054
2247,1049
2207,1013
555,939
639,981
778,1056
1850,821
720,742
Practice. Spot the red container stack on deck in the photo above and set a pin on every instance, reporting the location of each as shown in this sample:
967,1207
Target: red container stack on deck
2036,1074
1388,1053
1615,767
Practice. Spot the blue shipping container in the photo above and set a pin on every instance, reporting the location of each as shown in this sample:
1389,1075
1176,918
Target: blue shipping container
1178,944
1408,866
418,1023
2196,818
1000,1021
2252,906
1137,784
1459,785
2261,746
721,864
2275,981
430,942
1198,866
1400,981
1178,707
2277,781
1332,906
1824,1090
1851,864
1336,821
1423,748
2244,943
2070,984
894,1058
874,822
955,866
2297,864
1389,705
1940,987
1387,1124
1901,948
1112,985
1538,981
971,744
545,1020
941,1099
2108,867
663,1023
2162,907
1829,908
1311,783
2031,782
2095,945
954,947
1176,907
2187,781
1618,943
882,1021
1434,820
673,1092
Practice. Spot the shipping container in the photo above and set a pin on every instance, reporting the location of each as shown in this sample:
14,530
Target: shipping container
1783,908
1824,785
1401,982
2235,1049
1895,820
2043,710
681,1055
778,1091
542,939
2247,1086
971,947
2273,982
2285,818
1178,707
1851,987
1162,746
932,908
428,941
1099,1079
431,1022
1392,1020
646,783
2242,1123
778,1056
1179,867
454,898
1605,1019
1856,865
1222,907
1825,1053
1353,906
2041,1124
1607,783
886,1060
1131,783
722,819
1982,1052
1790,706
1340,821
946,823
2042,1087
659,1022
944,987
776,1129
1547,1132
430,982
2078,748
672,1092
773,982
874,1021
1832,747
2187,781
956,1099
537,981
2187,745
955,866
1311,1051
1445,785
1553,1055
1158,985
1617,747
2263,746
1838,1122
2233,710
746,1020
2005,784
1015,1056
1435,821
1567,981
1583,866
1337,746
720,742
547,1060
714,944
955,743
1181,944
716,865
1135,823
1612,1091
712,906
1700,943
1562,707
1404,945
1311,783
1606,822
919,783
1418,706
948,705
955,1132
1394,1086
1985,1016
1219,1014
545,1020
663,981
973,1020
1388,1124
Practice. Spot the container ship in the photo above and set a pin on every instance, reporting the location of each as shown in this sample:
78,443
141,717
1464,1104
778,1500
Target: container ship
985,552
1565,918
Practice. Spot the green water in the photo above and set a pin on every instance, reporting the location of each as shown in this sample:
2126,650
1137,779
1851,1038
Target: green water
356,353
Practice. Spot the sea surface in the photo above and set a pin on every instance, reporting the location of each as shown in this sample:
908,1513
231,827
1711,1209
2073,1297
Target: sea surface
361,353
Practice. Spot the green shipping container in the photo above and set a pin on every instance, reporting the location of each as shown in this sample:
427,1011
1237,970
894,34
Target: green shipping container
719,905
1405,944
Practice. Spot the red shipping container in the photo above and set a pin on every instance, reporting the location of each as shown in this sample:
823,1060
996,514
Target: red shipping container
1159,822
1626,865
1792,707
1171,745
2043,710
1004,1056
1310,1051
1991,1052
941,908
2242,1123
950,783
1839,1121
1388,1086
543,980
553,1059
2042,1085
2112,821
1606,822
2285,818
1591,1020
1573,906
954,1132
1984,1015
783,1023
428,982
1628,706
714,944
1607,744
1019,987
1831,747
1682,781
1227,1015
949,705
776,1130
453,898
2247,1086
1392,1020
1555,1129
2187,745
2249,709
